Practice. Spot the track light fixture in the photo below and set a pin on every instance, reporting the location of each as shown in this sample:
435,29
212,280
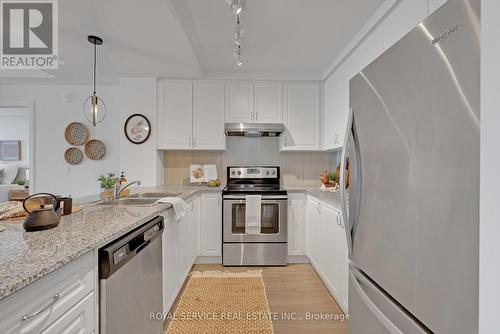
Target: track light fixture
237,55
237,9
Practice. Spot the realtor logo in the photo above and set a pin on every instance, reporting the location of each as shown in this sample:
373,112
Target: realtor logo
29,34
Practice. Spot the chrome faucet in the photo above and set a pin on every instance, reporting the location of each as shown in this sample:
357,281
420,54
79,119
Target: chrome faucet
119,189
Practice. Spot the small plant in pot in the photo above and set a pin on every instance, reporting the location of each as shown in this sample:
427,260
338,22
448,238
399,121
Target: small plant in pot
108,183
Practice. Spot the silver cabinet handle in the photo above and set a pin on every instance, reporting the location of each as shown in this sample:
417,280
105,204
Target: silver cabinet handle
49,305
194,142
218,200
356,277
256,115
190,141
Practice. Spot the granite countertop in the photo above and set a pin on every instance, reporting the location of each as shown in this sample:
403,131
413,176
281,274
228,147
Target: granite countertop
28,256
328,197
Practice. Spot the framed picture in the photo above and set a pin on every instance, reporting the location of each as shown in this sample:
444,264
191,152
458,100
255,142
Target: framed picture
137,129
10,150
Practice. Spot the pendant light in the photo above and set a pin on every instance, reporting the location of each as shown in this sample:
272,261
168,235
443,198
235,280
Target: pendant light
94,108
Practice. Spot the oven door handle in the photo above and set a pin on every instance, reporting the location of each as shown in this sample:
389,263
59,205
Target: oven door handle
265,197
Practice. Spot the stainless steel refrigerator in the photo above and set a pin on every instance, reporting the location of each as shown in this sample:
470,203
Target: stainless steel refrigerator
412,206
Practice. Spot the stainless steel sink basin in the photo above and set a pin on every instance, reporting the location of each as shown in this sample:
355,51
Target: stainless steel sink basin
130,202
154,195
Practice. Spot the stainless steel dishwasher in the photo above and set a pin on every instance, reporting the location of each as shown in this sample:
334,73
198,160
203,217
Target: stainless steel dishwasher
130,281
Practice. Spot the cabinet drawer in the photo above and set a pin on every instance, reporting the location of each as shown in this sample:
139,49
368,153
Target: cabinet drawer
49,298
80,319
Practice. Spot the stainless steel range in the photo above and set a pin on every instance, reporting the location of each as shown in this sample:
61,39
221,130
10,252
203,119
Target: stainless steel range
254,218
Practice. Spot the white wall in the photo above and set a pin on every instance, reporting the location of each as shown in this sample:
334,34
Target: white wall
140,162
52,115
15,125
489,249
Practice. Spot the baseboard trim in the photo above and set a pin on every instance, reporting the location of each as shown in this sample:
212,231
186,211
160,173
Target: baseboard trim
208,260
297,259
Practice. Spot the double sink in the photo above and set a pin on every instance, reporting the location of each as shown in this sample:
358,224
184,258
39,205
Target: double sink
142,199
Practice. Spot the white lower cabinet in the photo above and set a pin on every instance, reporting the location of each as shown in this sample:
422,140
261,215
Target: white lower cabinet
327,248
211,225
80,319
296,223
63,301
180,248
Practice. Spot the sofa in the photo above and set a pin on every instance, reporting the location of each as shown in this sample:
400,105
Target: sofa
5,188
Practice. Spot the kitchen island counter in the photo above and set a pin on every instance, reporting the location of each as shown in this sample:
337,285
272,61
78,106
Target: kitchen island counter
26,257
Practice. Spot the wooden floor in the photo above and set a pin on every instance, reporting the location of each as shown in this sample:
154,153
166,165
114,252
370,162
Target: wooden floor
296,289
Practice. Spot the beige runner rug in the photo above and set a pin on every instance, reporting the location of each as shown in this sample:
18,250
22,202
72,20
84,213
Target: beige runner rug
221,303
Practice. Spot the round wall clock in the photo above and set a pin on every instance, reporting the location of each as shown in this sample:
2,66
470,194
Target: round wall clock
137,129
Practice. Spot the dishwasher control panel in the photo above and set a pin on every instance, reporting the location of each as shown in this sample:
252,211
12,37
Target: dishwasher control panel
122,250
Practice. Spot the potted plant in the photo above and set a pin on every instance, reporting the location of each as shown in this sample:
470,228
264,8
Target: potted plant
108,183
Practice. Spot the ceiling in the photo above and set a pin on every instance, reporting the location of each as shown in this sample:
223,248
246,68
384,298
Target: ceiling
282,39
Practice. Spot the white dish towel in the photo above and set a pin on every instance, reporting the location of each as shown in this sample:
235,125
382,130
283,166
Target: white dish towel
180,206
252,214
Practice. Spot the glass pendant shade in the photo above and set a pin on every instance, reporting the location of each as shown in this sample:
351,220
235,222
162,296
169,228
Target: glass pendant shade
94,109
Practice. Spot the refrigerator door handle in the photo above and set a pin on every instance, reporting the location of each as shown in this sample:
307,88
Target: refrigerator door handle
343,162
356,277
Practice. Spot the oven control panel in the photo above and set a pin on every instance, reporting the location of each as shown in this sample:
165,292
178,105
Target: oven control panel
253,172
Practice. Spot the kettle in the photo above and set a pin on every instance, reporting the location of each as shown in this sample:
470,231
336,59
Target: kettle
43,212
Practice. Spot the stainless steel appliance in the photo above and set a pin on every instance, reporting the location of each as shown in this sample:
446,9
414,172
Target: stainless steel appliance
413,148
130,281
254,129
269,247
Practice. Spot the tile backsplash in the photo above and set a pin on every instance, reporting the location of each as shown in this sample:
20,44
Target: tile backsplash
297,168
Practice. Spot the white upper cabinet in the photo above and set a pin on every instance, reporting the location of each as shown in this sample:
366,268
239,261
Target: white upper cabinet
175,108
208,116
254,102
239,102
268,100
301,115
191,118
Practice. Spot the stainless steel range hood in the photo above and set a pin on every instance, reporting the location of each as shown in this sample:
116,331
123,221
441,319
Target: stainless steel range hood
254,129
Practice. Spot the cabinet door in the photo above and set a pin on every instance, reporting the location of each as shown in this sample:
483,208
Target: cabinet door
268,102
239,102
170,259
332,121
80,319
313,230
329,243
296,224
208,116
190,233
175,115
211,225
301,115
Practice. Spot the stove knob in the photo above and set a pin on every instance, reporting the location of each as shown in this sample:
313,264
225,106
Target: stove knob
233,172
239,172
267,173
274,172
